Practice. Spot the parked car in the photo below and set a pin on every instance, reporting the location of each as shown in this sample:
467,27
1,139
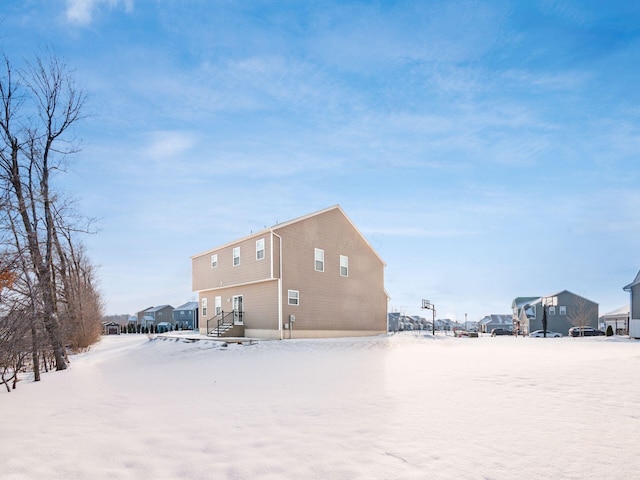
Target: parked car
585,332
501,331
540,333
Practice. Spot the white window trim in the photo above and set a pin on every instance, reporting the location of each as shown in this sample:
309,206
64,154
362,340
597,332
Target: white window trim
204,307
236,250
318,256
214,260
563,310
552,310
260,248
217,309
297,297
344,263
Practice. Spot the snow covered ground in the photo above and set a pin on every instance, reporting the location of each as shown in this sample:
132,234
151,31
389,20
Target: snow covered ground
397,407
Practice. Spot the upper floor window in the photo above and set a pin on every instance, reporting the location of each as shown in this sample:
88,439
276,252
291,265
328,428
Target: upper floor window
552,310
319,257
214,260
563,310
260,249
294,297
236,256
344,266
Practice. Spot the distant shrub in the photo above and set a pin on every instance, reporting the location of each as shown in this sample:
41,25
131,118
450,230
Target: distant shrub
609,331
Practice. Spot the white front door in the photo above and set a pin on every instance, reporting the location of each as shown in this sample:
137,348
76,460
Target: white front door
237,310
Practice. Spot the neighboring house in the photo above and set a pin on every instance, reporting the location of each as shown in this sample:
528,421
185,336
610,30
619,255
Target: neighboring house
492,321
186,316
110,328
617,319
564,310
447,324
314,276
397,322
634,319
155,315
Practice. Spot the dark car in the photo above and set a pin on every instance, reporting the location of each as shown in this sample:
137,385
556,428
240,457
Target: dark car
501,331
585,332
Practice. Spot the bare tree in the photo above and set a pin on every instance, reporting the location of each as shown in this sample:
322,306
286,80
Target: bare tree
580,314
39,105
80,305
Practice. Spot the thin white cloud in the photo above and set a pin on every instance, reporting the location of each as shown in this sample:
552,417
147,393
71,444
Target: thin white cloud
168,144
81,12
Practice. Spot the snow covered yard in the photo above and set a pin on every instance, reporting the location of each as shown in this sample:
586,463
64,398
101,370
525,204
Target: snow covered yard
397,407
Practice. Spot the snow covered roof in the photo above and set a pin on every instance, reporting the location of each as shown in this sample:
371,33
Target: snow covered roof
158,308
521,301
188,306
625,310
497,319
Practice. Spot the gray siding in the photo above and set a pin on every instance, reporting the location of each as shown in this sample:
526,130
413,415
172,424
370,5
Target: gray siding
635,301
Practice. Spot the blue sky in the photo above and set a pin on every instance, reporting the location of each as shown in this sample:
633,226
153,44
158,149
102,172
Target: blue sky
487,150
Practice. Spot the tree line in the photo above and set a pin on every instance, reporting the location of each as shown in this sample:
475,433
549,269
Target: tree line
49,302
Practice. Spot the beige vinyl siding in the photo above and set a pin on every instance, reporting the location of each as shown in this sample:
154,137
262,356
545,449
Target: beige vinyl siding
226,274
329,304
329,301
260,304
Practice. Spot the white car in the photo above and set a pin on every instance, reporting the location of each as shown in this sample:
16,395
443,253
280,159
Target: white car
540,333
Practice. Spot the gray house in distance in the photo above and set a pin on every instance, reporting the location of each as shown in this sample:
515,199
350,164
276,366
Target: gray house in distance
492,321
634,315
564,310
155,315
186,316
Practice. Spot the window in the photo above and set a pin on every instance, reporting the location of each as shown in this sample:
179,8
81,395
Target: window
344,266
236,256
218,306
563,310
204,307
294,297
319,256
552,310
214,260
260,249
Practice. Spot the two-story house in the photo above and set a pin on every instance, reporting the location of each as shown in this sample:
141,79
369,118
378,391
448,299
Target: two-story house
563,310
186,316
155,315
314,276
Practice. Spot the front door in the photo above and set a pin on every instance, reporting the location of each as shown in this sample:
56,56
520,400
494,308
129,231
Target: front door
237,310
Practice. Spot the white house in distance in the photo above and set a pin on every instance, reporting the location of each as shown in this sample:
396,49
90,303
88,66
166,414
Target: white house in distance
618,319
